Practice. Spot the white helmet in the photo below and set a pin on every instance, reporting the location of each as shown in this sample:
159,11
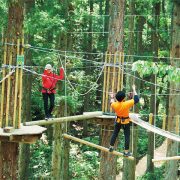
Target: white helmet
48,66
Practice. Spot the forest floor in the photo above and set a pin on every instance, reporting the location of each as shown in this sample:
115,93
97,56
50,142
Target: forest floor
142,164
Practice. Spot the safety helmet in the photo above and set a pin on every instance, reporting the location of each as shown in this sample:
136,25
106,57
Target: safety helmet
48,66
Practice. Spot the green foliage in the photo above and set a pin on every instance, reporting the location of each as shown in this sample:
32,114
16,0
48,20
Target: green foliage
83,165
157,175
145,68
3,13
40,160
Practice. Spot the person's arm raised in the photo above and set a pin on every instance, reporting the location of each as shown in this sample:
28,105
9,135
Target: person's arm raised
136,98
61,74
112,97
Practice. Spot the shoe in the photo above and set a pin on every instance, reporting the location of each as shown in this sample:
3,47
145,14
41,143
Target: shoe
126,154
46,118
51,116
111,149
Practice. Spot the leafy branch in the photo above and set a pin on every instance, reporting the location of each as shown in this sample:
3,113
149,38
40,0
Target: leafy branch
146,68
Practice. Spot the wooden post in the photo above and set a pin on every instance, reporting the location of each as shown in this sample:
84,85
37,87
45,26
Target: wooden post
119,73
177,125
20,86
164,122
3,83
96,146
107,84
8,91
104,84
114,73
122,70
151,118
16,89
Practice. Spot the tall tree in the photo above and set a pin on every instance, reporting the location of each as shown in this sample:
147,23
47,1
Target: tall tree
24,150
130,166
60,155
153,110
88,42
115,44
174,105
9,150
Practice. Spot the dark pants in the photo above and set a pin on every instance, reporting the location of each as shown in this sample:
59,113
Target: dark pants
48,110
126,128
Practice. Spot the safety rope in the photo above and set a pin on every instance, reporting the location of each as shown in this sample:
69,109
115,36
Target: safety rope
9,74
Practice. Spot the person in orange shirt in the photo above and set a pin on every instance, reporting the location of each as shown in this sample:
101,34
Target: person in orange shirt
121,108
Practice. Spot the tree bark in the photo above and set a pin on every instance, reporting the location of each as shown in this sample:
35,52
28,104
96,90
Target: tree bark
174,105
155,46
88,48
9,150
129,167
115,44
24,155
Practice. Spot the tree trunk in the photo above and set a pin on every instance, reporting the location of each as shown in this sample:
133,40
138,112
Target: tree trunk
174,105
24,155
9,150
57,152
60,155
88,48
129,167
155,46
115,44
8,160
107,161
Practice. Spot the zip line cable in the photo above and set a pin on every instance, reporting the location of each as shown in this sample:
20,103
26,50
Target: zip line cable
9,74
35,73
51,50
129,74
82,94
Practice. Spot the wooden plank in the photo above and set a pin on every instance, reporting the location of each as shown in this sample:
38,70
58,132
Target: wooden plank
135,119
151,118
177,124
107,84
122,70
29,139
166,159
114,72
24,130
90,115
20,86
96,146
8,90
164,122
119,73
104,84
3,83
16,90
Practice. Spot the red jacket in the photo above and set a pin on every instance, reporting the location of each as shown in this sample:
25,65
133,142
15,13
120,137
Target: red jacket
49,81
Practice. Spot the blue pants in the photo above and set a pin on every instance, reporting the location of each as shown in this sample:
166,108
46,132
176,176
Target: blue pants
126,128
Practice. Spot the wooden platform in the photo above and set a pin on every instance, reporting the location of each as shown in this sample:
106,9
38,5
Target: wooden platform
26,134
103,119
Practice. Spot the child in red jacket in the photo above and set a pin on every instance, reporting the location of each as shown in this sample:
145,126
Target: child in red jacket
49,80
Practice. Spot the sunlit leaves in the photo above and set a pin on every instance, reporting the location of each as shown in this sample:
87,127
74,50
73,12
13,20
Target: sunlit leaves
145,68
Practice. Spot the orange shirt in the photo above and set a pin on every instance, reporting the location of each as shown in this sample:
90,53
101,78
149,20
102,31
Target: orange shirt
122,109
